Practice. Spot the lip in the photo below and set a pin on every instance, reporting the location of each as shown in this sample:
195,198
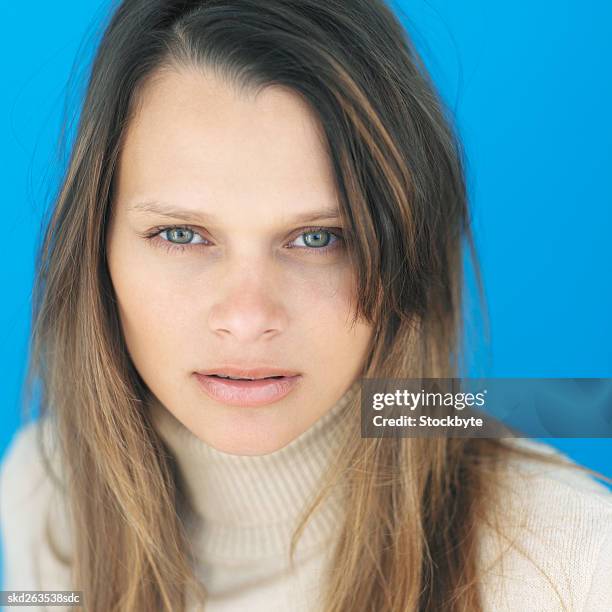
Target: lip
247,392
244,372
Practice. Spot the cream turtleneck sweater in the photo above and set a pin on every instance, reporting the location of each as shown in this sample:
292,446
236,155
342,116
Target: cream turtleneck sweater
243,510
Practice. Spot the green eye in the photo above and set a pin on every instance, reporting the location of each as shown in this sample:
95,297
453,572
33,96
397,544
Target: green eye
180,235
317,239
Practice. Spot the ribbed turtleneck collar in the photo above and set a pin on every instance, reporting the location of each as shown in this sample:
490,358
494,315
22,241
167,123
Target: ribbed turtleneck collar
246,506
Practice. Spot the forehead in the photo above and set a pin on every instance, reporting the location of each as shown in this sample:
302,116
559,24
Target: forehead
191,131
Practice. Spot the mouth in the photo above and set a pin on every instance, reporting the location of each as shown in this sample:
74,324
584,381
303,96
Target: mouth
225,377
260,388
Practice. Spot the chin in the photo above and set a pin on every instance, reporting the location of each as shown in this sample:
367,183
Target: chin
240,436
248,446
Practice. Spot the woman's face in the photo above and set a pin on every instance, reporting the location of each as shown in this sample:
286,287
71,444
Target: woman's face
244,280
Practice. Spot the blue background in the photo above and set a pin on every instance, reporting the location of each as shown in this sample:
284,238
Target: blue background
530,85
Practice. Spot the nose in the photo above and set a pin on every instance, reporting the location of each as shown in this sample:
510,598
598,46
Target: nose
248,311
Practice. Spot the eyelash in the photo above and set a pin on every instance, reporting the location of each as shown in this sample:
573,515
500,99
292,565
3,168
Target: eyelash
172,247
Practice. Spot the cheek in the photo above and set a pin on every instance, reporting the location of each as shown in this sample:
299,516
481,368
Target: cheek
152,322
324,303
318,293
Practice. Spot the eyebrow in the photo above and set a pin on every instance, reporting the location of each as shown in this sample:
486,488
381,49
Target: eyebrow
170,211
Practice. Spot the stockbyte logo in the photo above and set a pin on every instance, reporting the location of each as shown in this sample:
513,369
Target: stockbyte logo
491,407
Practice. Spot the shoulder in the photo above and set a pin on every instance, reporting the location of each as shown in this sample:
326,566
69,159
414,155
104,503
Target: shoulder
550,540
32,509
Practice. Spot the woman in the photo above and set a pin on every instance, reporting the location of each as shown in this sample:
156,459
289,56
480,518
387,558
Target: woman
270,191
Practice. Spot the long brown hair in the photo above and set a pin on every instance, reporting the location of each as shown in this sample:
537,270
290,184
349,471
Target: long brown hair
399,174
